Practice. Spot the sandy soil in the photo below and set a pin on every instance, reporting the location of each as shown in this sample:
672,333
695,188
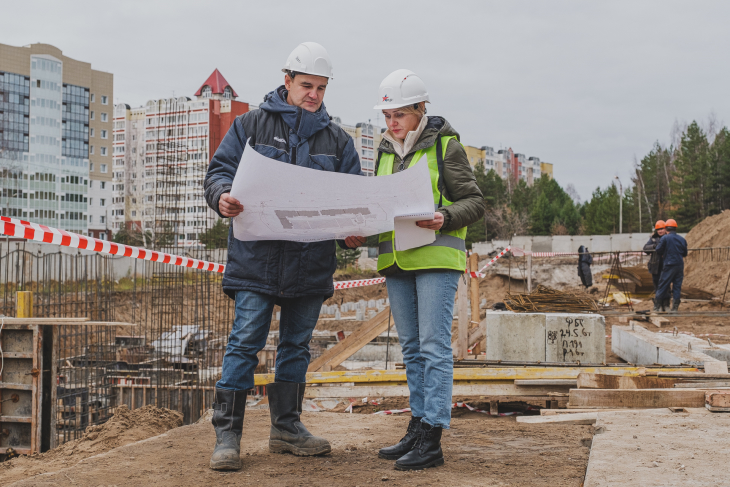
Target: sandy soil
123,428
709,276
484,452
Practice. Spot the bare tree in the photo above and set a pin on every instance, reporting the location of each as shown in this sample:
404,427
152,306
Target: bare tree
573,193
506,222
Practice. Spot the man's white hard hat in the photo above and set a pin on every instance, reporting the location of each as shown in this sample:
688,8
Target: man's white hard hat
401,88
310,58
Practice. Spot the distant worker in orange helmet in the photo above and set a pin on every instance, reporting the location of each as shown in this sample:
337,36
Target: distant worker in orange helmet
656,263
672,248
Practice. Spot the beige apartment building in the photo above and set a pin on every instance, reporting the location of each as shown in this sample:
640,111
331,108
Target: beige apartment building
55,139
367,139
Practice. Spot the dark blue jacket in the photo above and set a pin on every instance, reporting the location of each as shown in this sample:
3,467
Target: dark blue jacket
290,134
672,248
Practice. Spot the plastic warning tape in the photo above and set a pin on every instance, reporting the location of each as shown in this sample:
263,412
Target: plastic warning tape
495,259
454,406
13,227
359,283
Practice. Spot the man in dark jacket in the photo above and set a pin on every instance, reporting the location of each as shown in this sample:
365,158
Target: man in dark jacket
585,259
656,263
673,249
292,125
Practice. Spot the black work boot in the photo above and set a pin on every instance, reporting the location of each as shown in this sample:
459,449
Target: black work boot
405,444
288,434
675,305
426,452
657,305
666,304
228,411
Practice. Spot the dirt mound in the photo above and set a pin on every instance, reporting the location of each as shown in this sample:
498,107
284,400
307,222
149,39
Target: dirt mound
123,428
709,276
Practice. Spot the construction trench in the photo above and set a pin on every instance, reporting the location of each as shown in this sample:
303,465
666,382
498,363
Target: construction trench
629,399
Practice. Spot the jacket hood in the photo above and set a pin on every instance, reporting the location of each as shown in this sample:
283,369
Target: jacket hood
581,249
436,127
304,123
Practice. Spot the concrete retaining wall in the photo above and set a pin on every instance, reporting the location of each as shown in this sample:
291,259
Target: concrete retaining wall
626,242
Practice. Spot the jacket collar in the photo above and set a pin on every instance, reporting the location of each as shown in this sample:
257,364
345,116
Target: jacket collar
304,123
435,127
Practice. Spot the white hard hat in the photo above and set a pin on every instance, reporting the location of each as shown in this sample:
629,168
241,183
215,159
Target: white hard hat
309,58
400,88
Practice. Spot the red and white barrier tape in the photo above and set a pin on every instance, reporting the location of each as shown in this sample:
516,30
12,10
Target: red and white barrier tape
13,227
495,259
359,283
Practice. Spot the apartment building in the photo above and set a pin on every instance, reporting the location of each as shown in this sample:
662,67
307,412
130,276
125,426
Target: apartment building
47,168
161,154
367,139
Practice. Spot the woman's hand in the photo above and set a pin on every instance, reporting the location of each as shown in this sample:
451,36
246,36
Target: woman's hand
435,224
229,206
355,242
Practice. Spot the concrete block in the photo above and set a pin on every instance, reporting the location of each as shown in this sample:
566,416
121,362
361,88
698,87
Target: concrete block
523,242
542,244
639,346
578,240
515,336
575,337
600,243
562,243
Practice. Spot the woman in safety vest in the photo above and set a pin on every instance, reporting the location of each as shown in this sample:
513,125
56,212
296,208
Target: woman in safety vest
422,281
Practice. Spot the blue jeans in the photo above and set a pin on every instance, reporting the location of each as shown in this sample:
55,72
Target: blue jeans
423,310
674,275
251,328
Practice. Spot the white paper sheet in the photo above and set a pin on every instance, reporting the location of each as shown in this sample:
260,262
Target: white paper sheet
286,202
408,235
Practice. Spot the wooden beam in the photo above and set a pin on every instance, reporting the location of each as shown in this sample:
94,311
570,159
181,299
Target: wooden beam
658,321
577,418
354,342
553,412
547,382
63,322
401,390
460,374
717,399
603,381
462,341
637,398
711,384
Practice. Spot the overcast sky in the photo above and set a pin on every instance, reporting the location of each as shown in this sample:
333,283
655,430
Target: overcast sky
584,85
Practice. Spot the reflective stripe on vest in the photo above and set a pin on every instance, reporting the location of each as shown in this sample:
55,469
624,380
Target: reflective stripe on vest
448,251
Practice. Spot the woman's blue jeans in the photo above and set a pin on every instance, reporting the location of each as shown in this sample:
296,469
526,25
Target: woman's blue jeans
251,328
422,303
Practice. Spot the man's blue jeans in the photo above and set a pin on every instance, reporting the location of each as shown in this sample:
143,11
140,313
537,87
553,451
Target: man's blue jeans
251,328
423,310
674,275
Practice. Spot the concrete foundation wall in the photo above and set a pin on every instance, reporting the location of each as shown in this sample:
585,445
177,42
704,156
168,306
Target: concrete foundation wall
627,242
637,345
546,337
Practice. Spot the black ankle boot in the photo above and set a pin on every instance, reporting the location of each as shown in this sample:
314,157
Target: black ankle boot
228,412
405,444
288,434
425,453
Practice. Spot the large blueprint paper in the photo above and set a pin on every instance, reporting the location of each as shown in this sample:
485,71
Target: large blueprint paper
286,202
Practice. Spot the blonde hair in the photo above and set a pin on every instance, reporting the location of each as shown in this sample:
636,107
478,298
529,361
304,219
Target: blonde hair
418,109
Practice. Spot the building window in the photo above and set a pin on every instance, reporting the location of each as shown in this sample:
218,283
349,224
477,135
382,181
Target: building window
104,117
91,182
103,184
91,132
104,100
103,168
91,167
103,151
102,219
91,201
93,98
207,92
227,92
91,115
104,134
102,202
91,217
91,151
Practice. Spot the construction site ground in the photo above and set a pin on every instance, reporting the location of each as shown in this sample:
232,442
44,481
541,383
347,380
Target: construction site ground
479,450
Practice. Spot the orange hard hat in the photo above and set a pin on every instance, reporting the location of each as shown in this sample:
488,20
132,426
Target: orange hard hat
671,223
659,224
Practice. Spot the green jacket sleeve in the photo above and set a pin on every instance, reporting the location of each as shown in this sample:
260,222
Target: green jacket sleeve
461,189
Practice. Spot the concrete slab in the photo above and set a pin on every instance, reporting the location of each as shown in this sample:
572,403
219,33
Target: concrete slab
637,345
657,447
575,337
515,336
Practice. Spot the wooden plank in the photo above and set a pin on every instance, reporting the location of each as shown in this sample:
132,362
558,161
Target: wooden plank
41,321
577,418
691,375
464,374
354,342
15,419
712,384
636,398
547,382
401,390
553,412
22,355
603,381
658,321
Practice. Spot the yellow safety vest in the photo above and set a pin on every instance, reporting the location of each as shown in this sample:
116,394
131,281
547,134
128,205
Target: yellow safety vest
448,251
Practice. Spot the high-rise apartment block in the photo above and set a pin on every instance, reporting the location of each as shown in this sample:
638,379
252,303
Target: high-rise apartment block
367,139
55,139
508,164
161,155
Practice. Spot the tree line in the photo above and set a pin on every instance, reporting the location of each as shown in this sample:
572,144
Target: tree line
687,180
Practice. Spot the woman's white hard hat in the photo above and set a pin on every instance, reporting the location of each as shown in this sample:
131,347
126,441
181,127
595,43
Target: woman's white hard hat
309,58
401,88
